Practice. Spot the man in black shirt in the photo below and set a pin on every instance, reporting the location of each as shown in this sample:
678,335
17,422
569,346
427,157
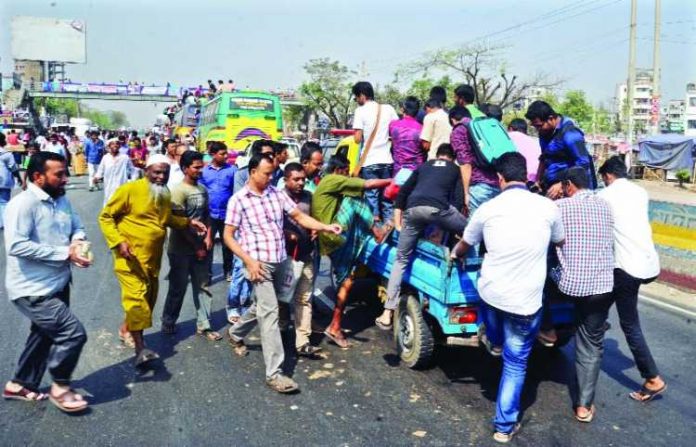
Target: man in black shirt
432,195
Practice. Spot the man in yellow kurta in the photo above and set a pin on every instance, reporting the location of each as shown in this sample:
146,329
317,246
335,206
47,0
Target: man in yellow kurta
134,223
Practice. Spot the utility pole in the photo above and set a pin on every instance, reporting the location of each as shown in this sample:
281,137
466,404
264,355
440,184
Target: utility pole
631,80
656,69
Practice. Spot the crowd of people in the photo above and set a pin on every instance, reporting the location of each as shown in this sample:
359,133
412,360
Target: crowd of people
533,215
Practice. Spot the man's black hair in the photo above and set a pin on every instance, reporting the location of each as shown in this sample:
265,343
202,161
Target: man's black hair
37,163
614,166
257,145
577,176
215,146
540,110
279,147
518,125
256,159
337,162
458,113
492,111
512,166
433,103
3,140
309,148
292,167
363,88
465,92
34,145
439,93
188,157
446,150
411,106
166,143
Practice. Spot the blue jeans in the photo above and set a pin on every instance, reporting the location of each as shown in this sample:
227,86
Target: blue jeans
480,193
516,334
382,209
238,297
5,195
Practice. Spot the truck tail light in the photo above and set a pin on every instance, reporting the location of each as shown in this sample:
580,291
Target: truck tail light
463,315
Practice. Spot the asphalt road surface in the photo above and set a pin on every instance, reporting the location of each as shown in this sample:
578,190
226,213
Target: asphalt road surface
200,394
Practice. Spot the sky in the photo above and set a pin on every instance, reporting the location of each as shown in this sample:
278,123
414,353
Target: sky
265,44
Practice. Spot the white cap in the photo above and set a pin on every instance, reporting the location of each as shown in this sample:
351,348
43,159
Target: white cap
157,159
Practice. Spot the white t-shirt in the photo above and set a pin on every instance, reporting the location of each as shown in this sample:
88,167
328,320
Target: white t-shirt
634,251
436,130
517,227
364,119
176,175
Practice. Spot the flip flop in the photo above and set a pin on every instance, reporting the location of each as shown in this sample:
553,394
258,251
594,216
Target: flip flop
646,395
588,418
209,334
341,342
384,327
24,394
127,339
59,401
145,356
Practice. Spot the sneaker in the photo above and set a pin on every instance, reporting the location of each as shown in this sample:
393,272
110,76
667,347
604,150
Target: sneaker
308,351
282,384
228,277
504,438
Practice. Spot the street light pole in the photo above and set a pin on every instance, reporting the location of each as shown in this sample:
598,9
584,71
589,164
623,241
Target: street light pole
631,80
656,69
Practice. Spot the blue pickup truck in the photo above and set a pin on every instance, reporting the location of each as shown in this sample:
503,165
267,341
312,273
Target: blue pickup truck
439,300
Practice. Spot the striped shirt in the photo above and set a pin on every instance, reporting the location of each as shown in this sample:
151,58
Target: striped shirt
259,218
587,257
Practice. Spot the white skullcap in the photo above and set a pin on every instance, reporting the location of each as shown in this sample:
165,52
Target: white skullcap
157,159
111,140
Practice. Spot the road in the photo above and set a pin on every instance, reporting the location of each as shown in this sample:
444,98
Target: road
201,394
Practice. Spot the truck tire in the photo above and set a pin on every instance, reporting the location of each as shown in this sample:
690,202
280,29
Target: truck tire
413,338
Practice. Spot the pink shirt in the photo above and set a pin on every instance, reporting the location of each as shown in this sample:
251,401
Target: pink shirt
529,147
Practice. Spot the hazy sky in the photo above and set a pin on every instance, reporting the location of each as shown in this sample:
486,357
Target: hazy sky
264,44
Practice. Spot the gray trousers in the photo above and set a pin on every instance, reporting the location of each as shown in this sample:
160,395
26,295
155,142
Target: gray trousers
264,310
181,269
592,313
55,340
414,221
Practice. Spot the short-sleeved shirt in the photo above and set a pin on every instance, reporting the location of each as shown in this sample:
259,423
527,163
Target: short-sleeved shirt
302,249
529,147
259,218
364,119
587,256
517,227
406,145
190,201
436,130
465,155
326,200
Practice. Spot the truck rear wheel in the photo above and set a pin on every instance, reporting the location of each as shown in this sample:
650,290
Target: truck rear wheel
413,338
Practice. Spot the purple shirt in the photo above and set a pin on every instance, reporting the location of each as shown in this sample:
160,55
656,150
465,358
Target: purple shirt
465,155
406,145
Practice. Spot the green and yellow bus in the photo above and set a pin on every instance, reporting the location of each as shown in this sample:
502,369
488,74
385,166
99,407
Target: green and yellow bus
238,118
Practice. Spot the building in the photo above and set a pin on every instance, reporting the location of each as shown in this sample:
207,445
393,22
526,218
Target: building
673,117
642,102
690,110
532,94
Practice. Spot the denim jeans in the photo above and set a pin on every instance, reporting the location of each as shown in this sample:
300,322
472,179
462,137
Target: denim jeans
239,294
516,334
182,268
381,207
480,193
5,195
625,295
592,312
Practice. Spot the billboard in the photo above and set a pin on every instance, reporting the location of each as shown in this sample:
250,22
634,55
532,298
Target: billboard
47,39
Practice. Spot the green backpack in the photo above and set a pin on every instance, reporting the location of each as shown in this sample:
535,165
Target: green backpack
489,140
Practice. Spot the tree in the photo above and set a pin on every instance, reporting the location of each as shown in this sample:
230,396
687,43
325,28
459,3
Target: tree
328,90
389,94
73,108
576,106
481,67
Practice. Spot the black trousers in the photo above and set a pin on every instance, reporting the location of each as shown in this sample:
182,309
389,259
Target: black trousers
55,340
217,226
592,312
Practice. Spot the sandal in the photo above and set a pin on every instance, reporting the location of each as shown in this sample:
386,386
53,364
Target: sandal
145,356
338,340
209,334
282,384
588,417
645,394
308,350
385,231
66,398
385,327
24,394
127,339
233,320
239,347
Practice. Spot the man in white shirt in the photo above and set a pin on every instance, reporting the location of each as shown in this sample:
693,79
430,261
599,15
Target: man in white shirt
436,127
114,170
517,227
379,162
636,263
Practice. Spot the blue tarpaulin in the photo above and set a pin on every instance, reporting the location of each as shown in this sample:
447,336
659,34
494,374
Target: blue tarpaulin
670,152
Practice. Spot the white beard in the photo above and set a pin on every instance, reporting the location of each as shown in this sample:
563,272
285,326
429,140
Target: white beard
159,193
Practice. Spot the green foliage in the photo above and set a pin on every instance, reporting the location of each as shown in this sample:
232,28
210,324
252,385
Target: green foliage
390,94
292,116
576,106
72,108
683,176
328,89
